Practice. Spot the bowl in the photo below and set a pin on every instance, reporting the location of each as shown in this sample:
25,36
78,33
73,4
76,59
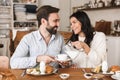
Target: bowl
88,75
64,76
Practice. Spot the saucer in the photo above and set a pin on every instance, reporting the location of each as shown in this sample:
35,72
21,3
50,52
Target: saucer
64,76
115,77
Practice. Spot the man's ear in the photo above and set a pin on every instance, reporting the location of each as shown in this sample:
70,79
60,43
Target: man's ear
43,21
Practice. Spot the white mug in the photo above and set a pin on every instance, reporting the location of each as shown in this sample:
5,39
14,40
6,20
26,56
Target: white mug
62,57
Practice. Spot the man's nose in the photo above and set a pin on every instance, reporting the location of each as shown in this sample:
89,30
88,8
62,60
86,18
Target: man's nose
58,24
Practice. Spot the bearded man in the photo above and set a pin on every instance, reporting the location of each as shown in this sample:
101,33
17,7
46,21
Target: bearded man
40,45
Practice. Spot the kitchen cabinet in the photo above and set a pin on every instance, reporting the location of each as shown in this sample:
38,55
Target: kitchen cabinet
113,50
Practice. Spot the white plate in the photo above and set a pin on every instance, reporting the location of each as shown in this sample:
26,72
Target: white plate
108,73
115,77
39,74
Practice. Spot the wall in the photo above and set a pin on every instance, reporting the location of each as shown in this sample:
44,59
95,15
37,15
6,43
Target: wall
54,3
64,14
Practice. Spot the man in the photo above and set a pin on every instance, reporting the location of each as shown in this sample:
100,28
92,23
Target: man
40,45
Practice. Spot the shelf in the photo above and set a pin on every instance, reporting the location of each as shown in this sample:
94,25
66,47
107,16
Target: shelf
25,21
25,28
1,28
25,3
5,6
4,16
101,8
19,15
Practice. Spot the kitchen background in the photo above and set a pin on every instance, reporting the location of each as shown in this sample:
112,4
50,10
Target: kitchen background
66,8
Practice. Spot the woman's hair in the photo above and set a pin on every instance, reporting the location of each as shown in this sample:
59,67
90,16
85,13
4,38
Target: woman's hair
87,28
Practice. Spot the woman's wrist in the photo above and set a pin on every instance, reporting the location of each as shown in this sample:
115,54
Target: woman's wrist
86,49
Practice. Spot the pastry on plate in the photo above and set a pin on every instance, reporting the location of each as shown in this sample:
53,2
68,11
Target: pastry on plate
49,69
115,68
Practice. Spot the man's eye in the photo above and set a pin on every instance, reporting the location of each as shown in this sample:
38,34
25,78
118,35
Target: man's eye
56,20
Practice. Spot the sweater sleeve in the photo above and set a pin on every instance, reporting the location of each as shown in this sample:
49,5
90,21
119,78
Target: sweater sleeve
97,52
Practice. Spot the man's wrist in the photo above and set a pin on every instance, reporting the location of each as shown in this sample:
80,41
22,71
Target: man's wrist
38,59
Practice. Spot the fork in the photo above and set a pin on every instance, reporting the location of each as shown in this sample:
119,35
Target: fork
23,73
83,70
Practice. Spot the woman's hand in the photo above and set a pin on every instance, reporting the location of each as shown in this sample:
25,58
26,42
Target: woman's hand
79,45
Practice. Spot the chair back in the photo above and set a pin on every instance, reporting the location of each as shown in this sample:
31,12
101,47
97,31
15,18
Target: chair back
14,43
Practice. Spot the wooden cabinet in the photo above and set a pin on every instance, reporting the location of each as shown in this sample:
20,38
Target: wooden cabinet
113,50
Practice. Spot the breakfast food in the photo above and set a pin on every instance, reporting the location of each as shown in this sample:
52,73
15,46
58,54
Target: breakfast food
36,71
32,71
97,69
115,68
49,69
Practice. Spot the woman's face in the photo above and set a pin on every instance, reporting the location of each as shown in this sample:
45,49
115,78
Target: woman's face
75,25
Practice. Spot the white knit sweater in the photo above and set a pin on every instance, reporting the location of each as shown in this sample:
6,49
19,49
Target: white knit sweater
96,55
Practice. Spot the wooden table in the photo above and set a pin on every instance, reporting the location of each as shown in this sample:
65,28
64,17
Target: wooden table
75,74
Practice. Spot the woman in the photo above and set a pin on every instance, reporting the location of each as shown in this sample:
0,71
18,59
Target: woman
88,46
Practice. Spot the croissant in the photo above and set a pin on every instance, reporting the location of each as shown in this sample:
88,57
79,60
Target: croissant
49,69
114,68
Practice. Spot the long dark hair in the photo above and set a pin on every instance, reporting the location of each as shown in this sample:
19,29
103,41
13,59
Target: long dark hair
87,28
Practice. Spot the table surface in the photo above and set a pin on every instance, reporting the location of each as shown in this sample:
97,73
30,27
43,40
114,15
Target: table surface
75,74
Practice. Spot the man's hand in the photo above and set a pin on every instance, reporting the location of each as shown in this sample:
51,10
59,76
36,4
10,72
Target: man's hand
45,58
65,63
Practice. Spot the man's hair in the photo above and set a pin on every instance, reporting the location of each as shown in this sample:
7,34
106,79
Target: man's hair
44,12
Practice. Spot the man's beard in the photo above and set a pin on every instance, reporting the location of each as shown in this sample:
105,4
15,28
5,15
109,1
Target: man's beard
52,30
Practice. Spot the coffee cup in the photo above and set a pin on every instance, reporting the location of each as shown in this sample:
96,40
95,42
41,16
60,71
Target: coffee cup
62,57
117,73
